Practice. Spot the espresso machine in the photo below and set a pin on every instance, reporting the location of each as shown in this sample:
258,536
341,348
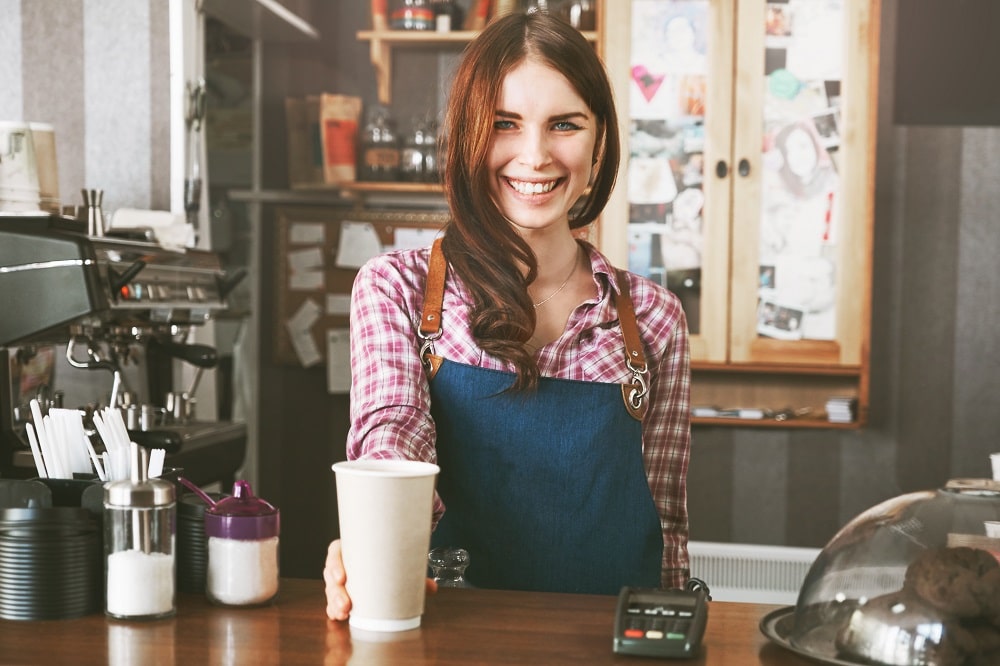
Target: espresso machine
90,321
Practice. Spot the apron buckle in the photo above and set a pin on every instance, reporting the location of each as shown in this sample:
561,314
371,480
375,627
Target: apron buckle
636,395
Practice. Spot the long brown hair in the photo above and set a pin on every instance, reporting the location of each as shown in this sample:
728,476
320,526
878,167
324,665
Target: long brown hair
479,242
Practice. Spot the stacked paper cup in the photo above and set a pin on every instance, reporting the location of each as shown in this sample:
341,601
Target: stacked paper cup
18,168
43,136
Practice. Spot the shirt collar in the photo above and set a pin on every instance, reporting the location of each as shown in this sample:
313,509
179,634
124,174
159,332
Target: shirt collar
604,271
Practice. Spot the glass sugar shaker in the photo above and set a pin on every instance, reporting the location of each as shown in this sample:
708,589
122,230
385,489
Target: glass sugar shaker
242,533
139,543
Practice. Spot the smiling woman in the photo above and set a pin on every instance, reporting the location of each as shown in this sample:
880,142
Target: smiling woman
551,389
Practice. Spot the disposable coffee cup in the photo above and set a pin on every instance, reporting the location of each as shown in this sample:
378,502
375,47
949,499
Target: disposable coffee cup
992,528
995,462
43,136
18,168
385,531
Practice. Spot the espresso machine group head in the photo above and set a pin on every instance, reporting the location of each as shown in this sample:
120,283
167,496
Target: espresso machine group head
84,318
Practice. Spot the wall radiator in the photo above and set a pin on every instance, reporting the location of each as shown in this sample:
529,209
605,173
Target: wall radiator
751,573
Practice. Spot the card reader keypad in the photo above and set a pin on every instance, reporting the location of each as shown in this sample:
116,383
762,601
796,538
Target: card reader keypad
655,621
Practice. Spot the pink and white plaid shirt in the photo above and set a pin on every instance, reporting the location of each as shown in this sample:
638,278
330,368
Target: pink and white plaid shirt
390,394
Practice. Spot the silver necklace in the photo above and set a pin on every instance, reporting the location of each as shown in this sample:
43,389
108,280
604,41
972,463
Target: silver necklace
572,269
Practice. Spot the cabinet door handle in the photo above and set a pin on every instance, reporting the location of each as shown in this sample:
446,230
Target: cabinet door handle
721,169
744,167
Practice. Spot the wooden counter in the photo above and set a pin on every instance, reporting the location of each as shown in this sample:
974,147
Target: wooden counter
459,627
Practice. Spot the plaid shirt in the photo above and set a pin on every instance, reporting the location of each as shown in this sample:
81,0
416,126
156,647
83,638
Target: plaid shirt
390,394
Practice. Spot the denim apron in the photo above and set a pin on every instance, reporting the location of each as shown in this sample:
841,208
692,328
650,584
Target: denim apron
545,489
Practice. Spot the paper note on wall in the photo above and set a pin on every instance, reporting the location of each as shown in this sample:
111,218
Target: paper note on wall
413,238
338,360
306,281
306,269
299,327
338,304
359,242
304,260
307,233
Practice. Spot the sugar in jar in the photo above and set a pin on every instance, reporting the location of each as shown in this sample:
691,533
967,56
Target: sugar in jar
242,532
139,544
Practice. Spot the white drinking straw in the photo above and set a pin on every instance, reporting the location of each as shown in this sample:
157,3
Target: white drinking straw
156,457
51,448
98,467
36,452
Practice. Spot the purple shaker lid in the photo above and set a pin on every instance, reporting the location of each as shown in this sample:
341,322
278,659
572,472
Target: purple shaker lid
242,516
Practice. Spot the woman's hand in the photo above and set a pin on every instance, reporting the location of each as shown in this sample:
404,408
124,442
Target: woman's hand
338,603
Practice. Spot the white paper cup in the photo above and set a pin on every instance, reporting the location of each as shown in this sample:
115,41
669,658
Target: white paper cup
18,168
385,530
43,135
992,528
995,461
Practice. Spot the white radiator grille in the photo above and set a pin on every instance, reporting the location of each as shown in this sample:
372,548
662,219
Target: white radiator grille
751,573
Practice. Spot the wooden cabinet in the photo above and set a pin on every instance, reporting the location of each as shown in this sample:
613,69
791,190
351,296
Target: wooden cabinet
748,188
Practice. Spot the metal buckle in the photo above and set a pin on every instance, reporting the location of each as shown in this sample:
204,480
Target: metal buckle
636,396
427,348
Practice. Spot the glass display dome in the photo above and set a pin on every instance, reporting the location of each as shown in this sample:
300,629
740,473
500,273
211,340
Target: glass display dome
913,581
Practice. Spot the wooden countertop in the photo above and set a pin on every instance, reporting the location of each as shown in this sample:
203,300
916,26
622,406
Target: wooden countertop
459,627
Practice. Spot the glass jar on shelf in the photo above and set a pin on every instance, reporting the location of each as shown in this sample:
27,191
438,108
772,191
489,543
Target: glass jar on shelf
581,14
380,155
413,154
432,167
411,15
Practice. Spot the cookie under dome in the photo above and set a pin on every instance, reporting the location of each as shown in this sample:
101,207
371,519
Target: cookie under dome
912,581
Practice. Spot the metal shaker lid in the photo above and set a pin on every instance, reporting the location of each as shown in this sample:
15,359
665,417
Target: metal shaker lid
139,490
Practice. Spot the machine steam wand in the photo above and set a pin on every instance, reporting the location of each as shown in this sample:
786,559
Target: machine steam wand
95,362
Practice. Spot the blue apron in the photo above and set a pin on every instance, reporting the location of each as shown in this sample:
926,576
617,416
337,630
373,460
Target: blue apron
545,489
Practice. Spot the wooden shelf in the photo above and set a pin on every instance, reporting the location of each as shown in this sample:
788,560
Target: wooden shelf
359,186
394,194
417,37
430,37
801,422
382,42
777,369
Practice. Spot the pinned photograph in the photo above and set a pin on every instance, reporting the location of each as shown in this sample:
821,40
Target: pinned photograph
779,321
828,128
778,21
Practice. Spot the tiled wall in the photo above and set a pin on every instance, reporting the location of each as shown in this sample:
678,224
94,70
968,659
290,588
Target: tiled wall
98,71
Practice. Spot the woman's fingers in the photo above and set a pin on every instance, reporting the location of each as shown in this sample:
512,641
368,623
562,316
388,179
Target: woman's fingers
338,603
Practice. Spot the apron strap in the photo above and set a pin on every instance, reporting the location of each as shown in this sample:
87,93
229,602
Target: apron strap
635,393
430,316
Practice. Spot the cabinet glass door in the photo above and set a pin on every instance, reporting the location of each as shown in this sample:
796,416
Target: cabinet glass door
797,158
678,114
